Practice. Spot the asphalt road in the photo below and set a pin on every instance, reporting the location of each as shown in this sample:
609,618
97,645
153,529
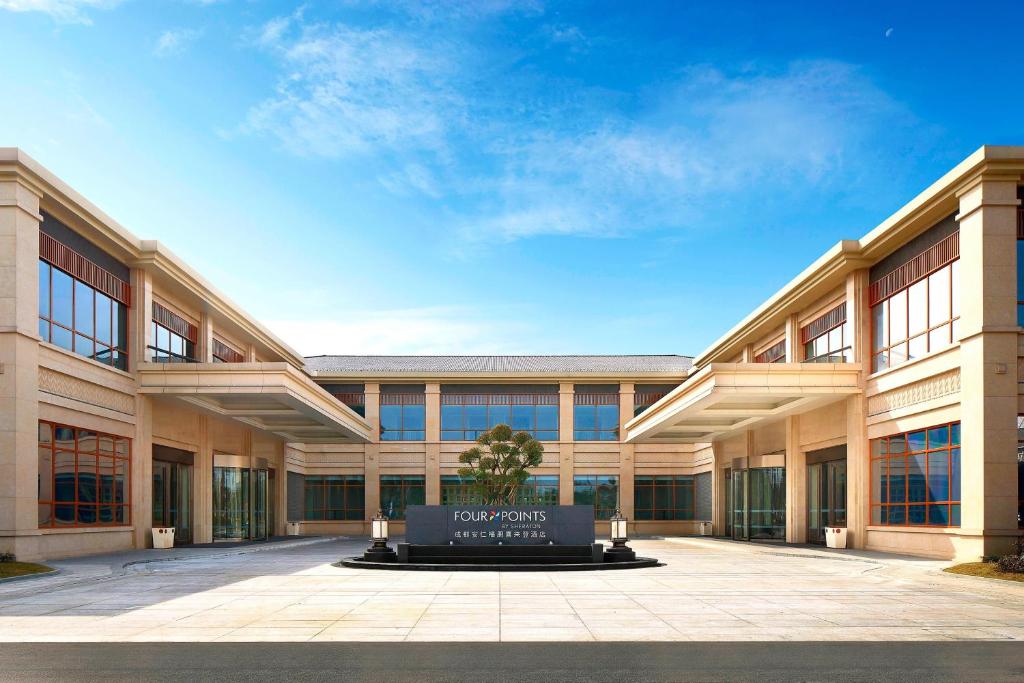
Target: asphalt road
486,662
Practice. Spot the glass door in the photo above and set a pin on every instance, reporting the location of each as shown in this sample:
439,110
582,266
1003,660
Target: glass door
172,498
241,499
826,498
259,505
739,513
231,509
728,502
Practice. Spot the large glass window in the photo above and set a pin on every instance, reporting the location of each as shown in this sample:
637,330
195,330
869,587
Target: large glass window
1020,259
599,490
79,318
827,339
918,319
664,497
1020,471
397,491
464,417
776,353
647,395
402,417
222,353
335,497
84,477
596,416
915,478
536,490
170,347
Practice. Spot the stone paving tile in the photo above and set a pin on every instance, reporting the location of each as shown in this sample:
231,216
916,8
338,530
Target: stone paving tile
708,590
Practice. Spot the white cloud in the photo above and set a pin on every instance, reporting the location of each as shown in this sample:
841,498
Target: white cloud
513,154
66,11
439,330
712,137
348,91
174,41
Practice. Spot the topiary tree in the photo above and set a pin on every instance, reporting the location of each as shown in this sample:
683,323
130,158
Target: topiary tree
497,466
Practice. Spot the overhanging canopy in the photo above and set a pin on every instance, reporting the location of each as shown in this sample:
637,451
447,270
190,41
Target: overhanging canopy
271,397
722,398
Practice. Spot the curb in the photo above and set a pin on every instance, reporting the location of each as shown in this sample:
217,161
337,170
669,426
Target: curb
25,577
230,552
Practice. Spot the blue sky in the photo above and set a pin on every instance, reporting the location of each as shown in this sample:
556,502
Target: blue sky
497,176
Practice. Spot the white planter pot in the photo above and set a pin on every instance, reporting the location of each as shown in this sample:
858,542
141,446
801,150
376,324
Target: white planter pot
835,536
706,528
293,529
163,537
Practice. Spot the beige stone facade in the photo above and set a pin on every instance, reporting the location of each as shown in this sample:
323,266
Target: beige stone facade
969,222
753,417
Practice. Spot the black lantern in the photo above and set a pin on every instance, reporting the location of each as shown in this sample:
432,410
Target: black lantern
379,551
618,532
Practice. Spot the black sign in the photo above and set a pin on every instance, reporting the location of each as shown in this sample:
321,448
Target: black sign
512,524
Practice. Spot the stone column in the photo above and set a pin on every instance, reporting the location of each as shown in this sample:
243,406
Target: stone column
627,465
371,458
718,493
19,368
141,315
793,351
433,445
204,349
202,477
988,356
858,458
566,404
796,483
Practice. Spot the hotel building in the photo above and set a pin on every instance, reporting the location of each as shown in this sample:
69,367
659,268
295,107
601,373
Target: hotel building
879,390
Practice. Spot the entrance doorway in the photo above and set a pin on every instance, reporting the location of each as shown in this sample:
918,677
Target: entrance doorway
240,498
826,491
172,491
757,500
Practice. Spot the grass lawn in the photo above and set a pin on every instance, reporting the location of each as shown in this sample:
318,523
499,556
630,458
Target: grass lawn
988,570
9,569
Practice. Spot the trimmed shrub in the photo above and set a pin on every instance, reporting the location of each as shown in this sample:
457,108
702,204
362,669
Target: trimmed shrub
7,557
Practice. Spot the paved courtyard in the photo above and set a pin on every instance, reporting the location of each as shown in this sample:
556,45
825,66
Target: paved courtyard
707,590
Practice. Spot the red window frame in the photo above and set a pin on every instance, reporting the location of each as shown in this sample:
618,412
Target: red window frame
114,457
776,353
47,322
945,254
880,453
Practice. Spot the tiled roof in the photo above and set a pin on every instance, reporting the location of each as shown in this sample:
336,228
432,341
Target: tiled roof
548,365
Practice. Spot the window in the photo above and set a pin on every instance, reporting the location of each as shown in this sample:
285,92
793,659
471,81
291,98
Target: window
352,395
536,490
601,491
647,395
464,417
80,318
402,417
1020,472
913,315
174,338
84,477
397,491
596,415
222,353
776,353
915,478
335,497
664,497
827,338
1020,259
